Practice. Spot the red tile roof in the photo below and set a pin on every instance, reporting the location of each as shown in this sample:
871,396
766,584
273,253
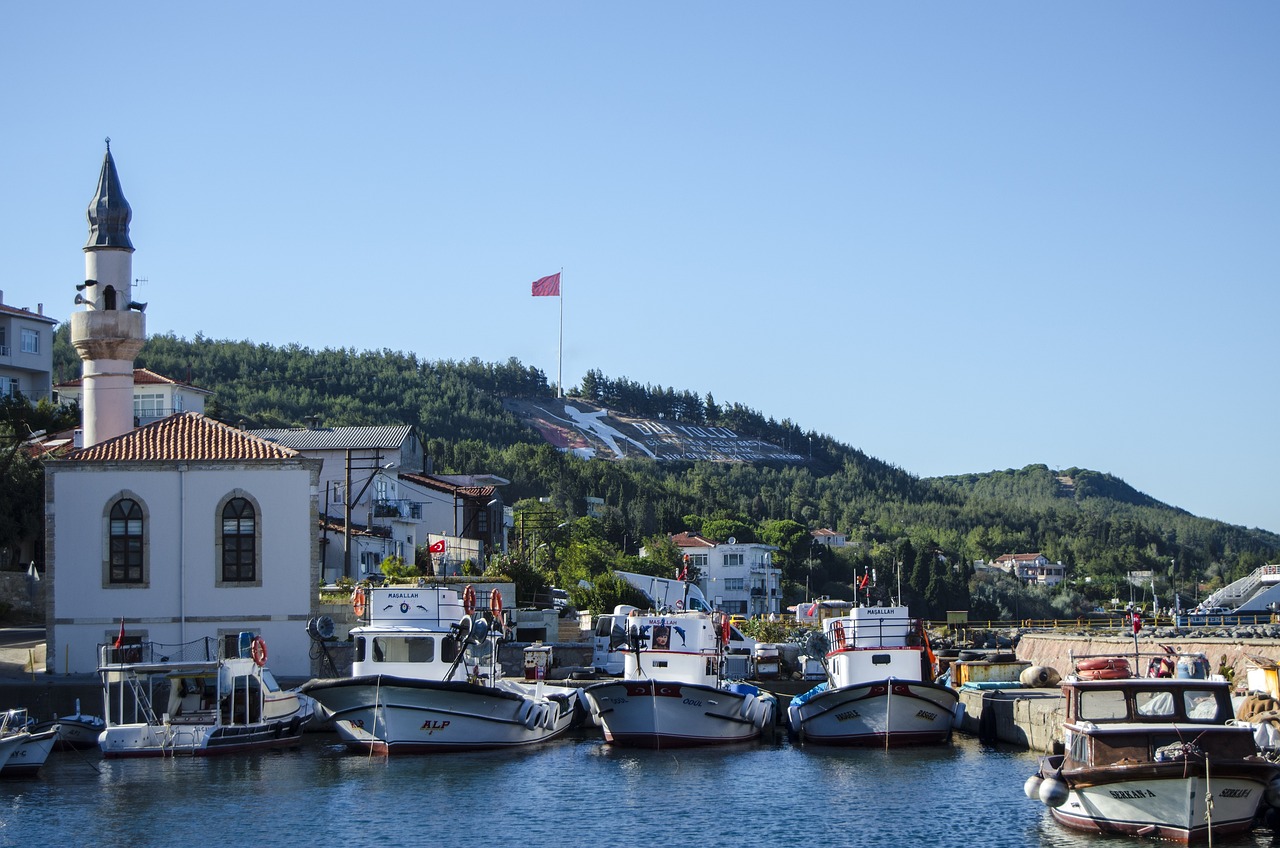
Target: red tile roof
691,540
183,436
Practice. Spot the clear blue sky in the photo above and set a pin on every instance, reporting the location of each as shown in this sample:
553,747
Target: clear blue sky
958,236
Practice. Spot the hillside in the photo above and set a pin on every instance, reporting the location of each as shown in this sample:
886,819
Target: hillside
1096,523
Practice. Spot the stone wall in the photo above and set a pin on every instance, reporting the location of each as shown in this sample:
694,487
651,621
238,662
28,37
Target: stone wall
22,597
1054,650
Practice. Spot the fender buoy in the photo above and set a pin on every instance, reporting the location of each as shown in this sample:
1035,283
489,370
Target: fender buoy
258,651
837,636
550,716
357,602
495,603
469,599
748,703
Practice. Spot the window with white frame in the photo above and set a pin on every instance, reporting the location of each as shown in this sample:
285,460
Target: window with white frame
148,405
735,584
30,341
698,560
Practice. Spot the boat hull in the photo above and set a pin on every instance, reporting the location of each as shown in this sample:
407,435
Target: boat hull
668,714
75,733
390,715
1163,800
196,739
877,713
27,757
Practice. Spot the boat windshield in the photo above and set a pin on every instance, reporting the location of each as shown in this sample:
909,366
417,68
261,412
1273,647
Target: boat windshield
1104,705
1200,705
1155,703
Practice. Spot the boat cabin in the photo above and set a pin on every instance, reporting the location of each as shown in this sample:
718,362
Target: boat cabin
682,646
416,632
1144,720
875,643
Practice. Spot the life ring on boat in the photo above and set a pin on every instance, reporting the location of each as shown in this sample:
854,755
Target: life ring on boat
725,630
1103,668
469,599
258,651
679,606
358,602
837,636
495,603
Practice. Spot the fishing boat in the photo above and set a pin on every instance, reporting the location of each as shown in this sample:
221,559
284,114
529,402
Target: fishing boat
879,688
27,748
76,732
426,678
199,698
1155,757
673,692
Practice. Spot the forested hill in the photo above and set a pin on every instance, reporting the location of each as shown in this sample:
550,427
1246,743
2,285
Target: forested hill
1094,522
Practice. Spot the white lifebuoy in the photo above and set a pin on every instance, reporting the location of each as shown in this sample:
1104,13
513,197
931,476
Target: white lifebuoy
747,704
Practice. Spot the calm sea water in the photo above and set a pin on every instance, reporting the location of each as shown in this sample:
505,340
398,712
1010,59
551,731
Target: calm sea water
573,792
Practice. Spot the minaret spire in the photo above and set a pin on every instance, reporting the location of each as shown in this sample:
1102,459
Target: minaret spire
109,212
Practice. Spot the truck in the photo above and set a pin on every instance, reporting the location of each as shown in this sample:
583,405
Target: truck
663,594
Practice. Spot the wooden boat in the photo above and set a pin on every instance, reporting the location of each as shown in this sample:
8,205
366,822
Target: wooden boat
1142,756
673,693
192,699
27,749
417,684
76,732
879,688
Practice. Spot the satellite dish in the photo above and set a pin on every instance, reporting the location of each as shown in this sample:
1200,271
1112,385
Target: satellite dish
733,541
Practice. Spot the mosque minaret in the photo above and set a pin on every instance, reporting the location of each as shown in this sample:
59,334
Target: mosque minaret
110,331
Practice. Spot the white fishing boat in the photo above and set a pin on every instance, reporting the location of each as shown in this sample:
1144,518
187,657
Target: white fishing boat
75,732
673,692
193,699
426,679
879,688
1155,757
27,748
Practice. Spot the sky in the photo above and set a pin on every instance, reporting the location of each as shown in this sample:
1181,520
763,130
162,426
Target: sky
958,236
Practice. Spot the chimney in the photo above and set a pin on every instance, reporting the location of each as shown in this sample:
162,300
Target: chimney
39,308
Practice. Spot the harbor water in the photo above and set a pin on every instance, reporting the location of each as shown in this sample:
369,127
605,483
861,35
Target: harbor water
575,791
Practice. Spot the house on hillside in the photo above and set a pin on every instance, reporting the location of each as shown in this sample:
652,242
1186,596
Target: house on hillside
186,528
26,352
154,396
1031,568
829,538
738,578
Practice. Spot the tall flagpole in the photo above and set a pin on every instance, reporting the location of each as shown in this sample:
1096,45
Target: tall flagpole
560,349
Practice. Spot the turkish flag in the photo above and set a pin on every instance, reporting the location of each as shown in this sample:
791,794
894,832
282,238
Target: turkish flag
120,638
437,547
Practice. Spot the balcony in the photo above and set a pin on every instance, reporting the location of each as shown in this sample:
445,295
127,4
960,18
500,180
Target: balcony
398,509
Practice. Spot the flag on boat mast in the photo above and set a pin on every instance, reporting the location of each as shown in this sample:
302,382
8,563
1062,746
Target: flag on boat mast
120,638
549,286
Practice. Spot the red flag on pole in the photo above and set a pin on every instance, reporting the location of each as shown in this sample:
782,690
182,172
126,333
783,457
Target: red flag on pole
862,584
120,638
437,547
547,286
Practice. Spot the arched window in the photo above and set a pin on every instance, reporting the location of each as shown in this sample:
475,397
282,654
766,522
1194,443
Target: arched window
126,542
239,562
109,297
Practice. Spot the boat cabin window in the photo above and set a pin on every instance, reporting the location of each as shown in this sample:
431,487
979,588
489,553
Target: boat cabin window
1201,705
1107,704
414,649
1155,703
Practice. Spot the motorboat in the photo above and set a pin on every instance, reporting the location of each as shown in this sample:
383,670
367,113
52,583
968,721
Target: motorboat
76,732
426,678
879,688
1158,757
673,692
209,696
23,749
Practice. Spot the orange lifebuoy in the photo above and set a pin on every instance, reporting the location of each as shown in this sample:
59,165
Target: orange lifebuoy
358,602
469,599
1103,668
837,636
495,603
258,651
726,630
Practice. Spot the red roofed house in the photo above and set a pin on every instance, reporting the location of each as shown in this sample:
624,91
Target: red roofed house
154,395
738,578
186,528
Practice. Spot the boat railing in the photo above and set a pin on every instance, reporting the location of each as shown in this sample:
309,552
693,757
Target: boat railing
205,649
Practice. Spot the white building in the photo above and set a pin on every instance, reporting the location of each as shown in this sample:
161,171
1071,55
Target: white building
182,529
154,396
738,578
26,352
1031,568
